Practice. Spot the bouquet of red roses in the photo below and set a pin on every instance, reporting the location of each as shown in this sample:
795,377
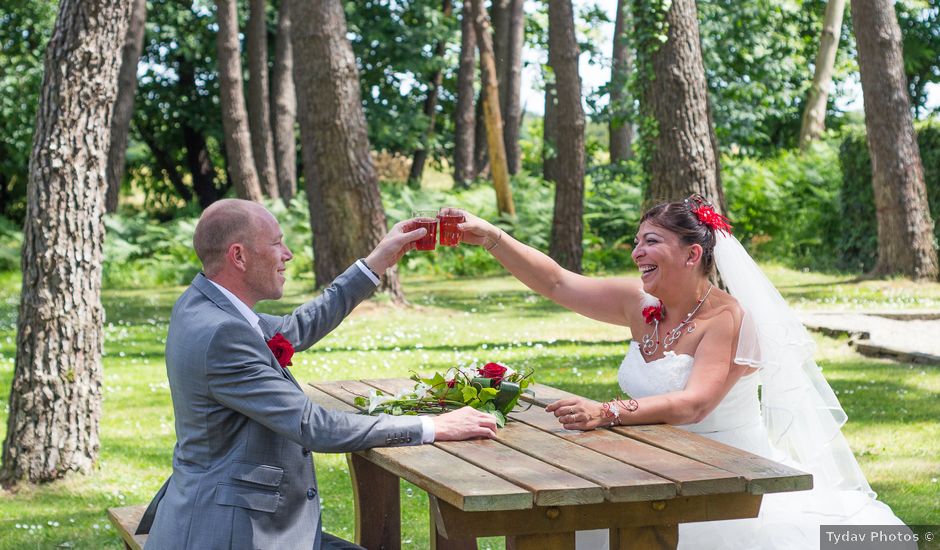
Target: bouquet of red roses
492,388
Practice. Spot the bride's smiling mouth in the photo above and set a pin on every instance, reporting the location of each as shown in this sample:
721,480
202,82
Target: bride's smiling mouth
646,269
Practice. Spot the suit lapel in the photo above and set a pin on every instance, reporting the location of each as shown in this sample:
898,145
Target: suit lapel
202,284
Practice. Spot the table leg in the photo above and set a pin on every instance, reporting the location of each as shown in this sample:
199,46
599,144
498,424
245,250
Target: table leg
378,505
550,541
658,537
438,540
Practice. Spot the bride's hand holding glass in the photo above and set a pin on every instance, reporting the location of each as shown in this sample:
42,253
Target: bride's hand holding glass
474,230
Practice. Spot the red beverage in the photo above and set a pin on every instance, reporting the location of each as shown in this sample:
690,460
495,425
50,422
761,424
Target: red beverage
429,241
450,234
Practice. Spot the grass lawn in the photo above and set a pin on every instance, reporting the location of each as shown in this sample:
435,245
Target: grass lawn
894,409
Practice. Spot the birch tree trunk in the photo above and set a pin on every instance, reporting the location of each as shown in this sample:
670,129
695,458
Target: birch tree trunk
491,113
814,114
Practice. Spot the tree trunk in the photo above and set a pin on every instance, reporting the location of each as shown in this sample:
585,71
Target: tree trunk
346,211
620,126
55,400
259,101
814,114
124,104
465,117
549,144
166,162
491,113
240,160
682,157
905,229
430,108
481,155
198,159
511,82
567,223
284,106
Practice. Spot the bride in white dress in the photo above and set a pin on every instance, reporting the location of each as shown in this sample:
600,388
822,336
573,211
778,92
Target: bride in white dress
737,368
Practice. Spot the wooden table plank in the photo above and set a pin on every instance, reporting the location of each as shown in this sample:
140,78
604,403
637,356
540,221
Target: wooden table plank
551,485
761,475
691,476
455,481
128,518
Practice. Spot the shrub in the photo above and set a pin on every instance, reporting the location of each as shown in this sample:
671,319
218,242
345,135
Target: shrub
858,228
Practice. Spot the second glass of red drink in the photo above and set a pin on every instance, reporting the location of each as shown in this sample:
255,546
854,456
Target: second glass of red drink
450,233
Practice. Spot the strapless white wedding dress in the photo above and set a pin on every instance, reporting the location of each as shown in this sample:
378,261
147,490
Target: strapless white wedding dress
787,521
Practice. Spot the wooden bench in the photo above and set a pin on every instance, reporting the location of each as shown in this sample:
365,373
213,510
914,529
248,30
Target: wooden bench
125,520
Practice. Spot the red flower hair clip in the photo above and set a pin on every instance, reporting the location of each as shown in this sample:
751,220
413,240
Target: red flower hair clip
706,214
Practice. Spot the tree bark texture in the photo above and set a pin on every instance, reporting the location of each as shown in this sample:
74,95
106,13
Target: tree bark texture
491,113
620,127
55,401
481,154
124,104
239,158
511,75
549,145
346,212
259,101
905,229
465,116
430,107
284,106
567,224
814,114
682,157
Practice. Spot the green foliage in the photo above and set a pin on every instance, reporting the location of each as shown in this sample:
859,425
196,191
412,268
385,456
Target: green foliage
25,27
785,207
758,57
11,238
859,227
920,27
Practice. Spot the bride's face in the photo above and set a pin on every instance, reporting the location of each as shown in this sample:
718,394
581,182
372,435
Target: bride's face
660,257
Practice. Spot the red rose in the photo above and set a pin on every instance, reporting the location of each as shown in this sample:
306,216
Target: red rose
495,371
653,313
282,349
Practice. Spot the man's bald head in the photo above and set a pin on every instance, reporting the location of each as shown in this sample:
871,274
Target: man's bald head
222,224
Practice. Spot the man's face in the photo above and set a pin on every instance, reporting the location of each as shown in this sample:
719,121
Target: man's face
267,258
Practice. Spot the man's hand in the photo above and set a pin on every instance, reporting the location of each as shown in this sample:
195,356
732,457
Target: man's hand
577,413
394,245
465,423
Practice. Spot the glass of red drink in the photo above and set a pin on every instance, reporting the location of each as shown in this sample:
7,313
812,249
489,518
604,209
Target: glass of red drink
428,220
450,233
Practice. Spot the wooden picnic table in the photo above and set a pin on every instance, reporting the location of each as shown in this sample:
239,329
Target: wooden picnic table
537,483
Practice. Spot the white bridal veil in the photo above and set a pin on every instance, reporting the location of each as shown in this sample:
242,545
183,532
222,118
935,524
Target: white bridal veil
802,415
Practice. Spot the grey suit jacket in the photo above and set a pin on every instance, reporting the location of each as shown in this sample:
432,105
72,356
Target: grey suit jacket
242,475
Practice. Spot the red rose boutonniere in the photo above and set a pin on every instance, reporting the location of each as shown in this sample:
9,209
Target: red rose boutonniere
282,349
653,313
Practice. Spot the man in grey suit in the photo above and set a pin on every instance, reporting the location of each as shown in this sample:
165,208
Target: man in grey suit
242,475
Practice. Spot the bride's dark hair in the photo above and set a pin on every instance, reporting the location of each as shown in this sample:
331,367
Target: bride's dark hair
681,219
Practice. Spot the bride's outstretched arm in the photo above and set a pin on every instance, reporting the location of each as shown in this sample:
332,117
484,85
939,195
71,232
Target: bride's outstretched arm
607,300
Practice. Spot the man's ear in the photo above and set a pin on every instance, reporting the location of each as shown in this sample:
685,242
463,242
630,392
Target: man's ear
695,255
236,256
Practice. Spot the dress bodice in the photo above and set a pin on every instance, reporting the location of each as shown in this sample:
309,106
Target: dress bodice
740,407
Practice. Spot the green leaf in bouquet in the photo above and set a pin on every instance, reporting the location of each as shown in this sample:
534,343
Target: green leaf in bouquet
507,396
469,393
361,402
500,418
488,394
396,410
482,382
